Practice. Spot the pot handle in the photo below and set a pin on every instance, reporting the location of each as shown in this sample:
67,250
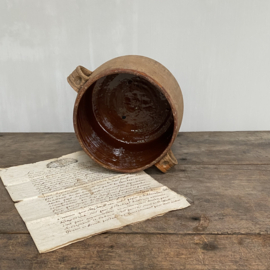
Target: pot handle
78,77
167,162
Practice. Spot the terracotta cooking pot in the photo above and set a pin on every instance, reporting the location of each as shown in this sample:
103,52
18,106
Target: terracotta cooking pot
127,113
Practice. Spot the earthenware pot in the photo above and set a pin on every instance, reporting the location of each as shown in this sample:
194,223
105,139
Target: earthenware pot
127,113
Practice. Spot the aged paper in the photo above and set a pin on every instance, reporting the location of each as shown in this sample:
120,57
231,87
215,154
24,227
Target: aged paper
71,198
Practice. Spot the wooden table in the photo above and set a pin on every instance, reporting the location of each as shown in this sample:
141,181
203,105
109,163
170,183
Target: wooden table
226,177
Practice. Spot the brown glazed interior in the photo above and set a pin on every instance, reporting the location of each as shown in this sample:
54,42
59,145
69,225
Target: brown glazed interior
124,121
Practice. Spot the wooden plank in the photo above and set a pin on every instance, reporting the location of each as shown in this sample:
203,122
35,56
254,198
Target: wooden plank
211,148
225,200
10,220
226,227
24,148
201,148
141,251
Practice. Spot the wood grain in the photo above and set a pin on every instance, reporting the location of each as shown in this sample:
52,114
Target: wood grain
23,148
231,148
225,176
199,148
141,251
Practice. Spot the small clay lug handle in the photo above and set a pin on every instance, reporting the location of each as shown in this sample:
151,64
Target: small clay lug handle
167,162
78,77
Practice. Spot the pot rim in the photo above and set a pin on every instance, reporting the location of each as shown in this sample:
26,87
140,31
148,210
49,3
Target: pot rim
109,71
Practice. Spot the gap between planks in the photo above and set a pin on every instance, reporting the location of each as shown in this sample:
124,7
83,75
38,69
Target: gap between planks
161,233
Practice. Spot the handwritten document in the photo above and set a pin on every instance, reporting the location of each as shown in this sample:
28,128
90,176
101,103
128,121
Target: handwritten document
68,199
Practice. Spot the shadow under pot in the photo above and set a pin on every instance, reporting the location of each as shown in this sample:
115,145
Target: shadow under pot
124,117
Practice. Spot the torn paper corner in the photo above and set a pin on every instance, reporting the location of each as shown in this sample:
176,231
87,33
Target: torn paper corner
71,198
